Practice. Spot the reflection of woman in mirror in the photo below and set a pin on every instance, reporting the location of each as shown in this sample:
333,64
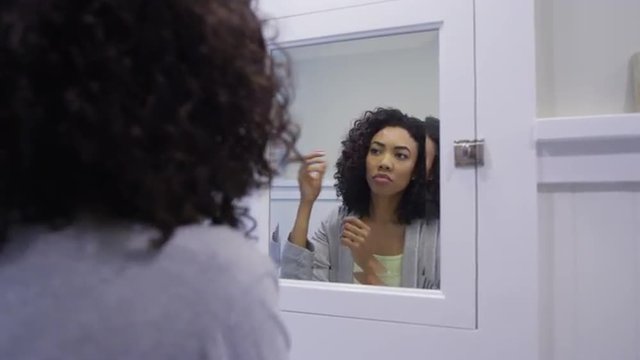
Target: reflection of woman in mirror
386,231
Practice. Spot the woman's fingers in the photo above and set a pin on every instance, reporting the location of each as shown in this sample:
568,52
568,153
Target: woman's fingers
350,243
314,155
347,242
321,167
356,230
316,171
357,223
354,233
313,162
356,238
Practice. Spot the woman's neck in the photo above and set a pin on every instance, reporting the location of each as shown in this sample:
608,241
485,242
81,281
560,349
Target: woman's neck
384,208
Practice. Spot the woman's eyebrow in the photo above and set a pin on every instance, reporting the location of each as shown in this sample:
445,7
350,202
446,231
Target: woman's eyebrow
397,147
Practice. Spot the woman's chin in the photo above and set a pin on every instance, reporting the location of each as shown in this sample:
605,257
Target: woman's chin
384,189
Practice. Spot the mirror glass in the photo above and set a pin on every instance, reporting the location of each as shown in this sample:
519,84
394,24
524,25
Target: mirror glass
360,202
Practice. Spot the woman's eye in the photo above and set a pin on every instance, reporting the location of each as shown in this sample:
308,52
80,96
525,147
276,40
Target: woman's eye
374,151
402,156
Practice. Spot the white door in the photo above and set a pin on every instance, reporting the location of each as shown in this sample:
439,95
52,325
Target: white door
486,306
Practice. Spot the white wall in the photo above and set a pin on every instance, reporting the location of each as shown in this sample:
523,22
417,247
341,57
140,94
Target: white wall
335,83
583,53
589,199
590,272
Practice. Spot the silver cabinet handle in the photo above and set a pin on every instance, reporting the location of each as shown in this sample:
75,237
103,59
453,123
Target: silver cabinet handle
468,152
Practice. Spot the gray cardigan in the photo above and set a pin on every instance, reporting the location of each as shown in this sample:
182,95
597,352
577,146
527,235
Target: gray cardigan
94,291
326,259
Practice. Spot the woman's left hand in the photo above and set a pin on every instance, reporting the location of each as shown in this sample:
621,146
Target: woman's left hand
354,236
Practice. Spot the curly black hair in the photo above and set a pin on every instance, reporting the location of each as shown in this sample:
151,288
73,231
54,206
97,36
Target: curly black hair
432,129
351,180
151,111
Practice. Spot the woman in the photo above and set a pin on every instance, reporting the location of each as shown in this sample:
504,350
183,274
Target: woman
386,231
130,129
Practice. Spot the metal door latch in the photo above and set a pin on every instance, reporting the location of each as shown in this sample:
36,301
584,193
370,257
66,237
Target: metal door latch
468,152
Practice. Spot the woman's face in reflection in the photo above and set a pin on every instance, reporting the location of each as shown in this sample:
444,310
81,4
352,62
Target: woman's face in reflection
431,149
390,161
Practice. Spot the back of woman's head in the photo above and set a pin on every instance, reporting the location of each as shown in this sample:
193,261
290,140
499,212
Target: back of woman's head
350,176
144,110
432,129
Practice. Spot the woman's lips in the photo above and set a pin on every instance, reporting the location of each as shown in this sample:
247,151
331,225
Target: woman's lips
382,179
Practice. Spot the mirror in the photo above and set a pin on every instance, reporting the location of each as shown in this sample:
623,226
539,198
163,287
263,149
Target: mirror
361,203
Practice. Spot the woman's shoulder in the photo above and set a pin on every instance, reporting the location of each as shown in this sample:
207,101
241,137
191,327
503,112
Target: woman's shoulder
191,249
220,249
428,232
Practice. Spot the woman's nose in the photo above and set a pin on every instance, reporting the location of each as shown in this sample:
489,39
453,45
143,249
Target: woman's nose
385,163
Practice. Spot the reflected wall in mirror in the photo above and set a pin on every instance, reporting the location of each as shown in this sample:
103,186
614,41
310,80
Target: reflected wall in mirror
363,205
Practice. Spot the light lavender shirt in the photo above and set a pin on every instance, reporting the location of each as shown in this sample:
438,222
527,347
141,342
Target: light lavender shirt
95,292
